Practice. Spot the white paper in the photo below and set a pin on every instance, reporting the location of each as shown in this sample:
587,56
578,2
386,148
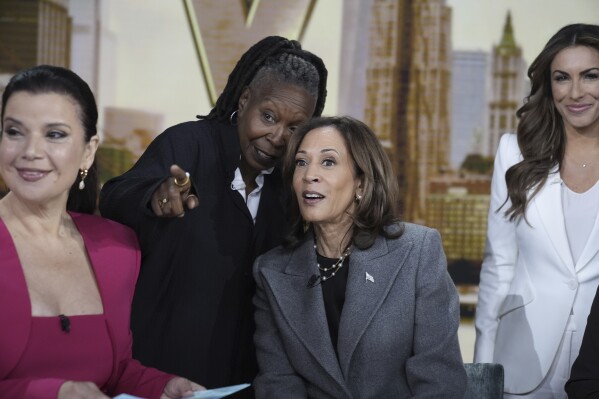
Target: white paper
217,393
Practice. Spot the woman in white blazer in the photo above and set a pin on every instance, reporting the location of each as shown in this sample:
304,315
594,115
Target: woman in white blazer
541,264
357,305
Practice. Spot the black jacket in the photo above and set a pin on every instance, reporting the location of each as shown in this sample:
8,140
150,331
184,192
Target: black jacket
192,313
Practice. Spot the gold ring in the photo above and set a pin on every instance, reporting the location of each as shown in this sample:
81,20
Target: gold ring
184,182
161,202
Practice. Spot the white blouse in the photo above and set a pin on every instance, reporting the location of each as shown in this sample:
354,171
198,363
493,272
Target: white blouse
580,212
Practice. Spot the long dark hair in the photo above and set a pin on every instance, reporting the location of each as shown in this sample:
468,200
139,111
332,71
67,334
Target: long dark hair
377,209
541,134
286,59
53,79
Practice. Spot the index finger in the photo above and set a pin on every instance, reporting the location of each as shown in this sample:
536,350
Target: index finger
180,178
178,173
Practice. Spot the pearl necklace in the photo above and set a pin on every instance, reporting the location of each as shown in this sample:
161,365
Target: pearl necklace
335,268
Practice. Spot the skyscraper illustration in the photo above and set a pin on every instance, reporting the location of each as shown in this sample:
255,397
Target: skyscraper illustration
407,92
469,88
508,77
34,32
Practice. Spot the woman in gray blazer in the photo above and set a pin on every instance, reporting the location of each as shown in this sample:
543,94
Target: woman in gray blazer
356,304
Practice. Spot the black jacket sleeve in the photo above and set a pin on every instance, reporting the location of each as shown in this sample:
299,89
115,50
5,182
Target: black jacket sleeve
126,198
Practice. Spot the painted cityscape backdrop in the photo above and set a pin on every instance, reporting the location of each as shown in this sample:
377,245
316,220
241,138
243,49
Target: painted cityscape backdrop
439,110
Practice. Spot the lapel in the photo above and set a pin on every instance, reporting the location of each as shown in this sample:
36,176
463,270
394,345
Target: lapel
14,302
231,151
100,260
105,268
303,307
363,297
548,203
270,220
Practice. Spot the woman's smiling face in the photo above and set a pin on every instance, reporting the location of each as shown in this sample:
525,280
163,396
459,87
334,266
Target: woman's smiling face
43,146
575,87
267,116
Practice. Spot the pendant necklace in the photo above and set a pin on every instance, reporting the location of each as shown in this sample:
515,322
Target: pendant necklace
336,266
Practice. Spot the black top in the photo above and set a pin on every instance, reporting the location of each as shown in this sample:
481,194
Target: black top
333,293
192,312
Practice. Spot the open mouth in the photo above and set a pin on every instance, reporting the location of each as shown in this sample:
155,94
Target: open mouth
313,196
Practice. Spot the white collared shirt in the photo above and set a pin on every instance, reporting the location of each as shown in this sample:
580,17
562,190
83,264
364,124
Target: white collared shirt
252,200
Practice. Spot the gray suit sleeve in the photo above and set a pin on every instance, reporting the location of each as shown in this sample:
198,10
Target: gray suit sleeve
276,377
436,368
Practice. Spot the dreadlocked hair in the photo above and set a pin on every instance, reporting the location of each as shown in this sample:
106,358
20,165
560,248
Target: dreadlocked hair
277,58
288,68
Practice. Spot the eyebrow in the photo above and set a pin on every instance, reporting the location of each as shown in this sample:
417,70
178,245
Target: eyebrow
54,124
271,103
13,120
581,72
321,151
58,124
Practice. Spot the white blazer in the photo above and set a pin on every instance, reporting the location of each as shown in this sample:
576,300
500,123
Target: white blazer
529,283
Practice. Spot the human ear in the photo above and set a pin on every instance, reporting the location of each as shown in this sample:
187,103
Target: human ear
90,152
243,99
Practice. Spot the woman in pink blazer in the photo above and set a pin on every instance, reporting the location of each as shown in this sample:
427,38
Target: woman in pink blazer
67,278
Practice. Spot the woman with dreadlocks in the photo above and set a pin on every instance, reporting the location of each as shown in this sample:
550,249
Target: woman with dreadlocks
205,200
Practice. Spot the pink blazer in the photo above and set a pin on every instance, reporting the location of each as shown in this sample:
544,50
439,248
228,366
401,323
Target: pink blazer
115,257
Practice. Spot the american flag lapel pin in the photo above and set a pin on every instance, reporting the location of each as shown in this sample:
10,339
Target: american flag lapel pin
369,278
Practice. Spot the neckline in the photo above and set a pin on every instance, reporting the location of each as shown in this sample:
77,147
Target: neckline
74,316
10,244
593,187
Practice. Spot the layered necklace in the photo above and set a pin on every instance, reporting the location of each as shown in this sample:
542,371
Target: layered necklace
335,267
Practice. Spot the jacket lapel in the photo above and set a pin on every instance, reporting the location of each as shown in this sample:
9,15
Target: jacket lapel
14,300
303,307
87,229
372,273
231,153
548,203
104,267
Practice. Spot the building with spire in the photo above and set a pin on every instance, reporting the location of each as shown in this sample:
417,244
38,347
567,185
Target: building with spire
508,77
408,92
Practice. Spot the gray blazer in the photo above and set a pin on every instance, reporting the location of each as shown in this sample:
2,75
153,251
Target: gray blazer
397,334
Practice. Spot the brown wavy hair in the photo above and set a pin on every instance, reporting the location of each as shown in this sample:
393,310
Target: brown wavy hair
377,209
541,134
